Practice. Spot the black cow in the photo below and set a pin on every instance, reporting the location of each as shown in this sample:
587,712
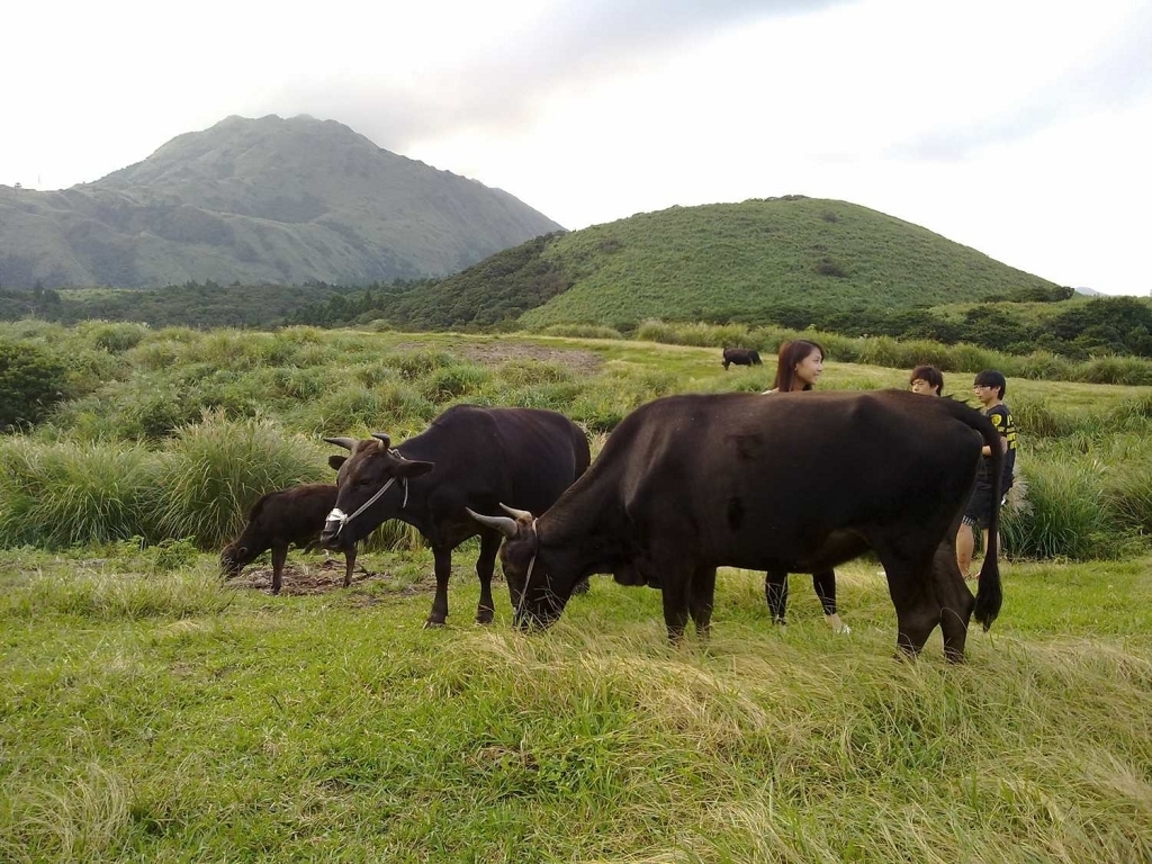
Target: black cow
279,520
741,357
798,482
470,457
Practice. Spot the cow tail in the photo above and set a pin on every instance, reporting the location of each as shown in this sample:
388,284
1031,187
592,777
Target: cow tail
990,592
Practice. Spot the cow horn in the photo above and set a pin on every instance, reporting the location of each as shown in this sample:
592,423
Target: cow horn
503,524
517,514
383,436
346,443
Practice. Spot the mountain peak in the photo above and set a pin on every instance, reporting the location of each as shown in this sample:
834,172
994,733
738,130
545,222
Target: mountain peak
263,200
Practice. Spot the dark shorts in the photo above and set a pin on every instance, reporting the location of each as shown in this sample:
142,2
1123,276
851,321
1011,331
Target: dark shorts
979,510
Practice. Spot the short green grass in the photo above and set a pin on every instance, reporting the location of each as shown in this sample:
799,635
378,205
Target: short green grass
163,716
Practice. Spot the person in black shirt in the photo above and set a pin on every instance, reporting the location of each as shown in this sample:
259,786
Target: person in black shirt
989,387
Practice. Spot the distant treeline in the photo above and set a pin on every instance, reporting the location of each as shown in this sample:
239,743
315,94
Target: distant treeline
1106,325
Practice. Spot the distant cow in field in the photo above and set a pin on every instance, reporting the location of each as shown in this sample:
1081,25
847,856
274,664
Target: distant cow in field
741,357
469,457
800,483
280,519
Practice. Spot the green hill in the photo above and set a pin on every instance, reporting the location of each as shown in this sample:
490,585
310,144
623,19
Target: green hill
279,201
719,262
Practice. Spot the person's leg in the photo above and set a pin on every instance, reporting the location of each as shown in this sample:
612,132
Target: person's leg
825,584
964,543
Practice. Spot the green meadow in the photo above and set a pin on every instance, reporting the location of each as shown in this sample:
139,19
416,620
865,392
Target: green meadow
150,711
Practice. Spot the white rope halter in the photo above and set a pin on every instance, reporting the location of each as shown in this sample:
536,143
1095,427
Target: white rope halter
338,515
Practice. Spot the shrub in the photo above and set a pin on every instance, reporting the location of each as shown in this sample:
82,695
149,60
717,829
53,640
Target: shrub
31,383
451,382
654,330
113,337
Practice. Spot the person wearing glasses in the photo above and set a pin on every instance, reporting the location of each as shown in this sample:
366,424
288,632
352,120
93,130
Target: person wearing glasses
989,388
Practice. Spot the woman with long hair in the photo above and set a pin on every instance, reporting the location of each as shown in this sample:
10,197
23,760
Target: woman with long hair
799,365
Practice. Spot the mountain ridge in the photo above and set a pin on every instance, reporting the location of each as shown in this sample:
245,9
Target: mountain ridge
267,200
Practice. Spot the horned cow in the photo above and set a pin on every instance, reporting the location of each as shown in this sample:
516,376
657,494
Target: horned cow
469,457
796,483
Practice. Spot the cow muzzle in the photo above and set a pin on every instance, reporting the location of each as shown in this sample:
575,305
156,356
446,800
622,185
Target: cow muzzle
333,525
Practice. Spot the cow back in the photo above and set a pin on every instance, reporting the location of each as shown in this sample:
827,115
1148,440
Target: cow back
523,457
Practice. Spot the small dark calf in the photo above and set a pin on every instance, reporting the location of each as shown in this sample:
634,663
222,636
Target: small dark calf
741,357
279,520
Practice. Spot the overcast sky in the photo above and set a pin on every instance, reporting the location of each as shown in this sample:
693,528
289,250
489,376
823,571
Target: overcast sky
1022,129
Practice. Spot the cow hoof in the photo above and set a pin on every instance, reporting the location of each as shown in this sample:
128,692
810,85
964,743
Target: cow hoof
484,616
431,624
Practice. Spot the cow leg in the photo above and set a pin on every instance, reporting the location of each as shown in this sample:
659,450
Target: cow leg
676,588
776,593
910,586
349,564
701,597
279,556
443,558
956,601
489,546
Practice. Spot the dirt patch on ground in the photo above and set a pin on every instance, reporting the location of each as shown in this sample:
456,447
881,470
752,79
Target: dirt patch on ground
327,576
497,353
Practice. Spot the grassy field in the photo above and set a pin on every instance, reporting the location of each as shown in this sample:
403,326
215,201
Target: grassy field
161,716
151,712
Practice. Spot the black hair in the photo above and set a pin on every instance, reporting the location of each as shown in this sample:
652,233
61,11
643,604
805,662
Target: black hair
992,378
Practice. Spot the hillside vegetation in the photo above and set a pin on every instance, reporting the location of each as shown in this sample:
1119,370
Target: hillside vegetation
259,201
754,262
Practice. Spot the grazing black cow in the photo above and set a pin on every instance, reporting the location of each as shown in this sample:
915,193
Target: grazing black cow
470,457
799,482
741,357
279,520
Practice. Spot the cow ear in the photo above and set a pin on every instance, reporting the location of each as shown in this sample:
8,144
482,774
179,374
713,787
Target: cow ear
335,462
409,469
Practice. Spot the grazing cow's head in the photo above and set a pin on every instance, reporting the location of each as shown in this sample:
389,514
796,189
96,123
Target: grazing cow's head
234,558
537,600
375,476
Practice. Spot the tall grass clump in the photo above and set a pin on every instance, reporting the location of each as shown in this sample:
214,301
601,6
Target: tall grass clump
80,818
353,406
115,337
1038,418
213,472
655,330
65,494
1117,370
453,382
1068,514
583,331
1042,366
